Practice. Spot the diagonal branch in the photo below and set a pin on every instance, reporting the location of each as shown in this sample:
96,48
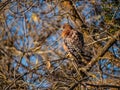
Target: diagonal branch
103,50
4,4
103,85
76,84
76,12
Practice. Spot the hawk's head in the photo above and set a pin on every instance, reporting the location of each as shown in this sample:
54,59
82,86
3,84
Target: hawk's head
67,26
66,29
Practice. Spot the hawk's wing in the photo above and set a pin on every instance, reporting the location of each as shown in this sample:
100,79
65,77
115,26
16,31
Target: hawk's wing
74,43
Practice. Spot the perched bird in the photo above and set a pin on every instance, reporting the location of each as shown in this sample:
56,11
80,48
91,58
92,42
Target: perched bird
74,44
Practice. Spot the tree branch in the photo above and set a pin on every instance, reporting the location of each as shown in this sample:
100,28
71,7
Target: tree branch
76,84
103,50
103,85
4,4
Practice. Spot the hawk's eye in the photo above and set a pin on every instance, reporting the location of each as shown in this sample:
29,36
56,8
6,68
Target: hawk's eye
64,26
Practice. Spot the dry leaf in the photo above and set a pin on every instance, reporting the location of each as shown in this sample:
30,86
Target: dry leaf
36,61
48,65
34,17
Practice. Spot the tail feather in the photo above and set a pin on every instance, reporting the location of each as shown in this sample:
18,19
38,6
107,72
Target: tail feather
87,55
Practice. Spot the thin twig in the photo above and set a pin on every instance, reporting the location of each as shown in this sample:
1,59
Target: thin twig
76,84
102,39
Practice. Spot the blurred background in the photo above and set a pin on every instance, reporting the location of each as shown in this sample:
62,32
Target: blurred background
31,48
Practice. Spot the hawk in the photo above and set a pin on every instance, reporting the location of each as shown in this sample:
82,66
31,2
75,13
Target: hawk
74,44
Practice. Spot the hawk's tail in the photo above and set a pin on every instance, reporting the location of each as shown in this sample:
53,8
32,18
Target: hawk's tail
87,55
